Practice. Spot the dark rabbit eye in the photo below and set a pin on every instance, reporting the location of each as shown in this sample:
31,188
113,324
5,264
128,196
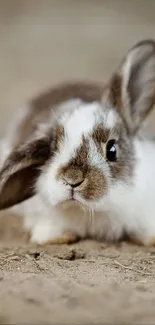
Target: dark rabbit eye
111,151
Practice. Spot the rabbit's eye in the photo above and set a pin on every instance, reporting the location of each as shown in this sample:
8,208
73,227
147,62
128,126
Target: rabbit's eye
111,151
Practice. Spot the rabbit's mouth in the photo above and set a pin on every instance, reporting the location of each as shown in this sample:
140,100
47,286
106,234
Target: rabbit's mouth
71,202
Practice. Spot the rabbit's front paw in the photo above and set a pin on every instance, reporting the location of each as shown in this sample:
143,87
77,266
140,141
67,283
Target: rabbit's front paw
65,238
43,234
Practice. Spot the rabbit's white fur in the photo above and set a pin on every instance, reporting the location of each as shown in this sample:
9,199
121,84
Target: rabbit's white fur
124,201
127,206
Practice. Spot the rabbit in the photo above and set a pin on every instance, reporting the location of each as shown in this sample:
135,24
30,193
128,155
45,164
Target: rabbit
79,161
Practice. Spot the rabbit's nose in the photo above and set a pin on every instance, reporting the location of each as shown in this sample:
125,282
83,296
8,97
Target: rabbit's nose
73,183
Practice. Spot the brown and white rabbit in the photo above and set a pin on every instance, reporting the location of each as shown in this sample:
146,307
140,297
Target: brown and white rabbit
82,153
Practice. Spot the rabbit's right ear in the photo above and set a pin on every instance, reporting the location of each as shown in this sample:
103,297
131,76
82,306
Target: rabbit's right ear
20,170
132,87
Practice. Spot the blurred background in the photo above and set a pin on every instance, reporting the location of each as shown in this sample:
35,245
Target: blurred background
43,42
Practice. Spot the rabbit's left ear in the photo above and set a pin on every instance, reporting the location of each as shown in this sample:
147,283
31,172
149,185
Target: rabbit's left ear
20,170
132,87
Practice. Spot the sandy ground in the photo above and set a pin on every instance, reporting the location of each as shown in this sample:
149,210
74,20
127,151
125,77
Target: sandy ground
85,283
41,43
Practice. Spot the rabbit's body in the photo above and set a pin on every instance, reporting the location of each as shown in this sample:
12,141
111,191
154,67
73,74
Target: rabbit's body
83,153
127,209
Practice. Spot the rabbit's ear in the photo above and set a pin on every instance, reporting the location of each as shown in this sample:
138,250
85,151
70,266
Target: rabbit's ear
132,87
20,170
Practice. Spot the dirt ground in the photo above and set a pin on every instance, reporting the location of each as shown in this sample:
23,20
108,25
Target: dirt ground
41,43
85,283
